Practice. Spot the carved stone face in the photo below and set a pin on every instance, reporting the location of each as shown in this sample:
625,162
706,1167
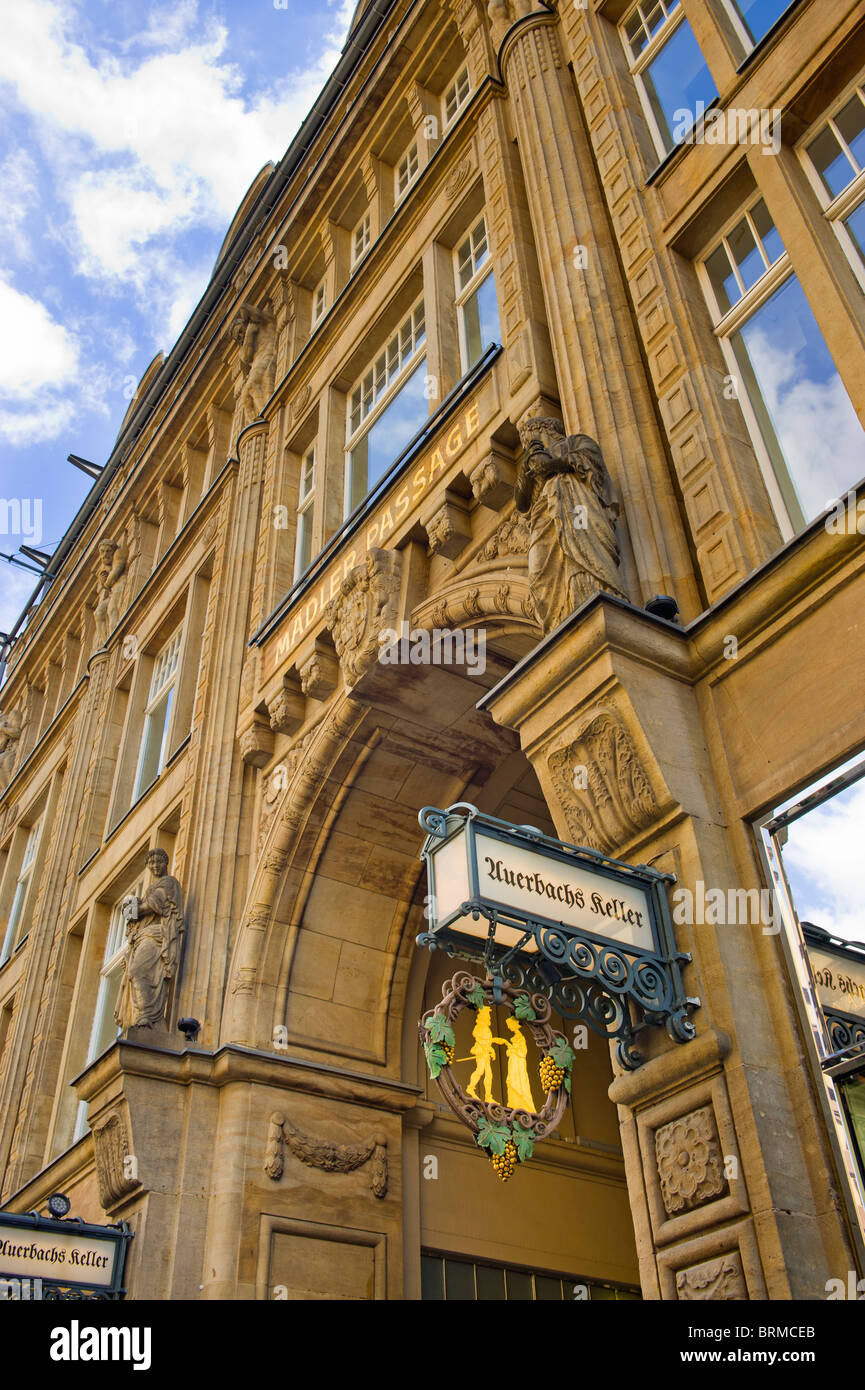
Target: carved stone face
157,863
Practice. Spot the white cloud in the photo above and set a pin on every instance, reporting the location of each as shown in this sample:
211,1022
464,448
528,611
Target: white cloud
823,859
35,351
19,195
190,143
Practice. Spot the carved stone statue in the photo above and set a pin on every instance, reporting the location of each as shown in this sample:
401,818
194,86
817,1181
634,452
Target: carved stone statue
153,927
564,488
256,333
113,558
10,733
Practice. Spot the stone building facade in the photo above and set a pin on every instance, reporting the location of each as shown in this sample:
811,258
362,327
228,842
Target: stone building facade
489,244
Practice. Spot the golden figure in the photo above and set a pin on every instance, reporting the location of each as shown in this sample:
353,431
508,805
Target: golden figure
519,1086
482,1052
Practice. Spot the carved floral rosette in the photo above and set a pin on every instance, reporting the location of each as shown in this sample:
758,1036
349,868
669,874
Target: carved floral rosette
456,997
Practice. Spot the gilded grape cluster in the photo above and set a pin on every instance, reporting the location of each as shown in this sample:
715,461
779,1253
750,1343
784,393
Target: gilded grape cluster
448,1050
505,1163
551,1075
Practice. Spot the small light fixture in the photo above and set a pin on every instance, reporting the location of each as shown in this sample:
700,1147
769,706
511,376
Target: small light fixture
663,606
59,1205
189,1027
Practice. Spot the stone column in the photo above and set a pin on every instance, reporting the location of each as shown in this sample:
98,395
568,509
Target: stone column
600,371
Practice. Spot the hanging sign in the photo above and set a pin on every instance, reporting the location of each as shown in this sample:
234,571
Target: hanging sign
65,1253
593,933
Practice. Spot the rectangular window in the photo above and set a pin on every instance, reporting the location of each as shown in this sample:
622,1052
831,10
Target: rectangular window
319,303
671,74
477,306
791,394
157,716
19,898
445,1279
386,408
105,1029
835,159
456,95
757,17
406,170
306,491
360,240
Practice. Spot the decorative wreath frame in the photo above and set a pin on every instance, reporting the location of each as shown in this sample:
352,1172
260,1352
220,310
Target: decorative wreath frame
487,1119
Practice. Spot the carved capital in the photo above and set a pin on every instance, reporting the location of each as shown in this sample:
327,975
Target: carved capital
367,603
448,528
493,480
319,675
116,1166
256,743
602,786
286,708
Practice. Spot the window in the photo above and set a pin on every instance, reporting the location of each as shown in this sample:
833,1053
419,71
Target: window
477,306
105,1029
319,303
757,17
303,548
406,170
671,74
444,1278
19,898
791,394
456,95
810,845
360,240
386,408
157,716
835,158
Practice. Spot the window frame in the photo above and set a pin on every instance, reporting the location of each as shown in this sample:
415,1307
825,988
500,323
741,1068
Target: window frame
672,20
727,323
316,314
391,391
116,929
305,509
475,281
21,892
168,688
364,226
740,25
453,85
836,209
410,154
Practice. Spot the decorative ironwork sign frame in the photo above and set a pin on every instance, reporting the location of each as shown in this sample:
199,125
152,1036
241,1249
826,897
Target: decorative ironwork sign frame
607,958
63,1237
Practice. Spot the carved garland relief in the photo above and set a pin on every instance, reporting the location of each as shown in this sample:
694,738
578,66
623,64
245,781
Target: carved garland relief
328,1158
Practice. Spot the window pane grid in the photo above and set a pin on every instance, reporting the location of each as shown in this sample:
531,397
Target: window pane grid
388,366
406,169
360,239
164,667
456,94
837,151
455,1278
472,255
645,21
744,256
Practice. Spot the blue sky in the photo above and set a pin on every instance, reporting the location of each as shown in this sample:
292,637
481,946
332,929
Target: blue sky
129,133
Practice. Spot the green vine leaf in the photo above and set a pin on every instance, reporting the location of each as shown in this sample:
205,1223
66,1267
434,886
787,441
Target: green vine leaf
436,1058
492,1137
440,1031
477,997
562,1054
525,1143
568,1082
523,1008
